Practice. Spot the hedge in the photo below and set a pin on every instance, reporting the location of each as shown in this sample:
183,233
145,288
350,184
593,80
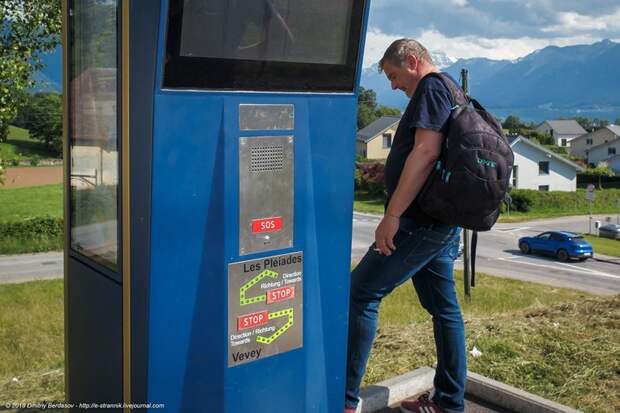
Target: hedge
32,227
525,200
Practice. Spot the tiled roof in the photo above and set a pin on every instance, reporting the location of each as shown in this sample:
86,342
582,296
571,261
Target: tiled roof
566,127
377,127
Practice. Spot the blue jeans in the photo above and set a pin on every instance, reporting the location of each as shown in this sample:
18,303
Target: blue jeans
426,255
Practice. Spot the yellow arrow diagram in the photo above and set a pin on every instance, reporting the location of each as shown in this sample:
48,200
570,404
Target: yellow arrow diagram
276,314
259,298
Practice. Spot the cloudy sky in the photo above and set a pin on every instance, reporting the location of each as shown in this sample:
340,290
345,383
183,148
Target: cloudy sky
496,29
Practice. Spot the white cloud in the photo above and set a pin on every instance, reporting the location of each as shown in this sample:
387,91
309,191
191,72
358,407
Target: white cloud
459,3
571,22
470,46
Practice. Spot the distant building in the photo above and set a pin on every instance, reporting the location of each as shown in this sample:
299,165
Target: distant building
614,163
579,147
375,140
536,167
604,152
563,131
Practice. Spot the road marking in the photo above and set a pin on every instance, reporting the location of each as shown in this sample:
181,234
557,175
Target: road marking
508,230
586,271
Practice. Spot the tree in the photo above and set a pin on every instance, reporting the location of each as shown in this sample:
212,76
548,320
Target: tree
367,109
617,122
601,170
42,116
387,111
512,123
29,29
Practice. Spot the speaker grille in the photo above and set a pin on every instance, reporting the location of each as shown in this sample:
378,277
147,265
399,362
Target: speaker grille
266,158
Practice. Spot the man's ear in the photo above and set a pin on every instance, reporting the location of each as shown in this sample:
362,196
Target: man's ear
412,62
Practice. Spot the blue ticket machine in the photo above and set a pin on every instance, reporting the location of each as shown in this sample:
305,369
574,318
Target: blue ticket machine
209,184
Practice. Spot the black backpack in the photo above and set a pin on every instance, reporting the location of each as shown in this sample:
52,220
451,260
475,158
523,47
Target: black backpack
470,180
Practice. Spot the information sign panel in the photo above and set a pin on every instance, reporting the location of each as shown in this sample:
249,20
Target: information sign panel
265,307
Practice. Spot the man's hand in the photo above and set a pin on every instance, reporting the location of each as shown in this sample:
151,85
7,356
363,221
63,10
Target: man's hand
384,234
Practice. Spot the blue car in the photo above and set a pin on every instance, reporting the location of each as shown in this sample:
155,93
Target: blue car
561,244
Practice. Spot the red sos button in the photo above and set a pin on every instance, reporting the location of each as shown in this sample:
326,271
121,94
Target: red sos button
273,224
280,294
252,320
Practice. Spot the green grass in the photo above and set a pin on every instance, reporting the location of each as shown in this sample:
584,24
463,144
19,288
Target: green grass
604,246
17,204
20,203
31,342
19,146
24,245
366,203
561,344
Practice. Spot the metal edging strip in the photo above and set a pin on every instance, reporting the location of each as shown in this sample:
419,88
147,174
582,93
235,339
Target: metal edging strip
65,186
126,220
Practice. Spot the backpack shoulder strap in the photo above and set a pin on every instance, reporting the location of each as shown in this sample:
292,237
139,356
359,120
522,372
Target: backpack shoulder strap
458,97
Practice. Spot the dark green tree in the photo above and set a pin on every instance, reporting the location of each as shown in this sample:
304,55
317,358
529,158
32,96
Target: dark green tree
387,111
512,123
367,109
602,169
585,123
42,116
29,29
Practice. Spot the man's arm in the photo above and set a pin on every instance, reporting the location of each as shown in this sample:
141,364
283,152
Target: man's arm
417,167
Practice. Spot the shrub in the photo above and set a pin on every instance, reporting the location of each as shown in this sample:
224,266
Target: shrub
521,200
14,162
34,161
369,177
32,228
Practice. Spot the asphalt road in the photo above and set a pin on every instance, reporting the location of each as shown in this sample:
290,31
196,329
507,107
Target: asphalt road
497,254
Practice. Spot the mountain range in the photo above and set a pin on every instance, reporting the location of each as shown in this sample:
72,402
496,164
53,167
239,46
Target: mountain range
553,82
549,83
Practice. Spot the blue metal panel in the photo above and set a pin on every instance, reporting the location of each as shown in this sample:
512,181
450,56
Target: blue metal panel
195,236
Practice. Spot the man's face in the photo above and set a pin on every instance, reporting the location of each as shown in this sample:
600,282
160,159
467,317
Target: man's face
402,77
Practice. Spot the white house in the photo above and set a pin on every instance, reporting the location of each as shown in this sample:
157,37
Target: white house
614,163
563,131
604,151
580,146
536,167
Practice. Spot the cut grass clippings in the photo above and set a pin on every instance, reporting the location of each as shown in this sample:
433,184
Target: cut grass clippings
560,344
31,342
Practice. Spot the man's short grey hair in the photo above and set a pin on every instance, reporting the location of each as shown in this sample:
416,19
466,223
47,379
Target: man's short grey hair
398,51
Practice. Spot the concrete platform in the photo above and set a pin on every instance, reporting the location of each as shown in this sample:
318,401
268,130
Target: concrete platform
483,395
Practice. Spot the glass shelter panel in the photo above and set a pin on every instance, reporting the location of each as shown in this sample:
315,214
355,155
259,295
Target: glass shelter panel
93,130
300,31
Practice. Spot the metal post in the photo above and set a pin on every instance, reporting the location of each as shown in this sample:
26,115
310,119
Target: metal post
466,248
590,220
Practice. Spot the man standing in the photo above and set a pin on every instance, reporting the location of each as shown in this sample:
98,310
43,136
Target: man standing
409,244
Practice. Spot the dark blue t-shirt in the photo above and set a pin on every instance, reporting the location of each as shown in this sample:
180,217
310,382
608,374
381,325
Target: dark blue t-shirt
429,108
